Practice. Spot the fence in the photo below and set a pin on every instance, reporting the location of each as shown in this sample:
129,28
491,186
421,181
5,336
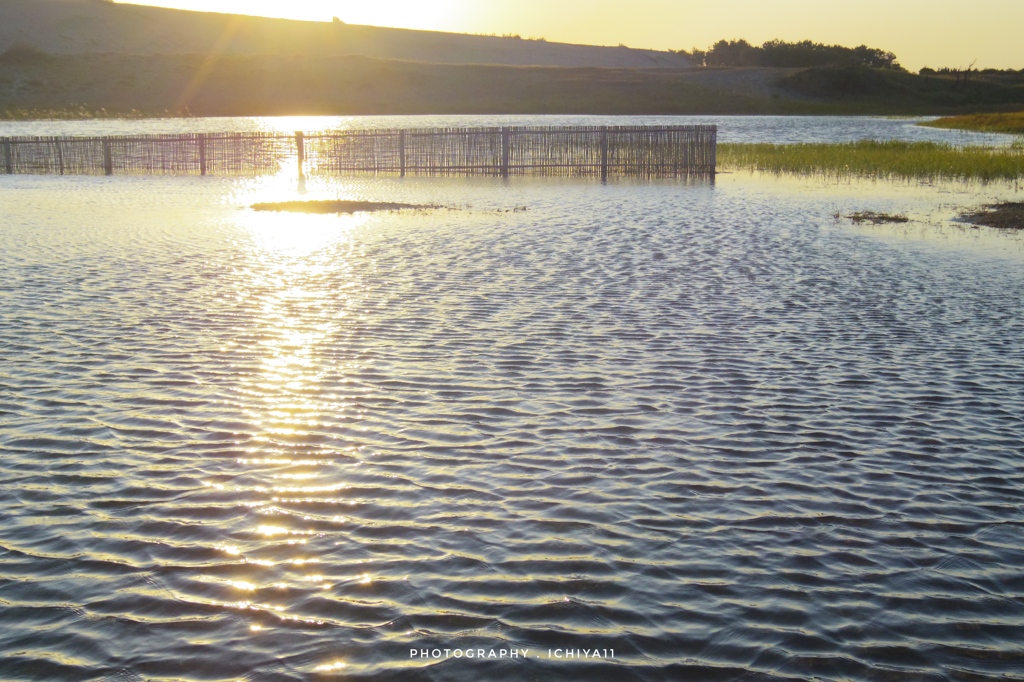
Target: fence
645,151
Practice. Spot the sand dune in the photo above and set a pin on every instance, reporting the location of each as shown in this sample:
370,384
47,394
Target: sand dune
83,26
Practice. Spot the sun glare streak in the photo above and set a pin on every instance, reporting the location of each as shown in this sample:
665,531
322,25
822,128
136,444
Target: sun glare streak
209,62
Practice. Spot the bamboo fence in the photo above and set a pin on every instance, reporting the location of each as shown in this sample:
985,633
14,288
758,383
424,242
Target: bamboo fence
597,151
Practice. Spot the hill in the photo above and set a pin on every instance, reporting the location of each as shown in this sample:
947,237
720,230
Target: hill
34,84
90,57
90,26
885,89
267,85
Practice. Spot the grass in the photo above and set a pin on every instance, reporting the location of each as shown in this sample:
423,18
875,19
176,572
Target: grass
271,85
80,113
1012,122
917,160
887,91
34,84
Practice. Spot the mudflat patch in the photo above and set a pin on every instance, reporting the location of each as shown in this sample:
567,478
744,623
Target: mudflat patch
1008,216
336,206
876,218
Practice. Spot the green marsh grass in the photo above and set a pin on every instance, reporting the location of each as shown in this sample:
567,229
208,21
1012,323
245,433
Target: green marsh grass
79,113
1012,122
893,159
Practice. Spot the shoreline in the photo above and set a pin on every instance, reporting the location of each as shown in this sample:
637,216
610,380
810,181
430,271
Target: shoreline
1008,123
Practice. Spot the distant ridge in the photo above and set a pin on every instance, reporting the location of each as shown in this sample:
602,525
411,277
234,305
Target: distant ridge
89,58
94,26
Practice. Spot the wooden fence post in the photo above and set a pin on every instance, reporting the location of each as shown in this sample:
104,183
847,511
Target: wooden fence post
688,146
60,156
8,157
401,151
506,151
604,154
201,138
108,158
714,152
300,147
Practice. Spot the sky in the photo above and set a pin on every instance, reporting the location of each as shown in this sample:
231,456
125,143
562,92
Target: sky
932,33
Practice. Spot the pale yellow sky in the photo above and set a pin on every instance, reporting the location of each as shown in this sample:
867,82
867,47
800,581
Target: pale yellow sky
921,32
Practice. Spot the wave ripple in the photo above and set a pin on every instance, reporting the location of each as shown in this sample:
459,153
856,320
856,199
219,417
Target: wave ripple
698,426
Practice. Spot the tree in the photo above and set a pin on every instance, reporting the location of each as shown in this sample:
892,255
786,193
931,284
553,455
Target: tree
779,53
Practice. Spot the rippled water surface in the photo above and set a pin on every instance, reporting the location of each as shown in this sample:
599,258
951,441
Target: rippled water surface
713,429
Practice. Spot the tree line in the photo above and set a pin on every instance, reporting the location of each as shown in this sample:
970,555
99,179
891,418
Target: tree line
779,53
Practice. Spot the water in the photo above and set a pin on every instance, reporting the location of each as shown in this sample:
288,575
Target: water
777,129
713,429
